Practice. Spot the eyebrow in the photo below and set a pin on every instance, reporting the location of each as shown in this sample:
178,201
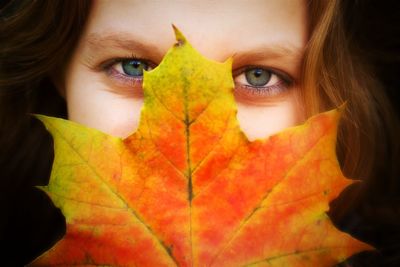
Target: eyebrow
124,41
270,51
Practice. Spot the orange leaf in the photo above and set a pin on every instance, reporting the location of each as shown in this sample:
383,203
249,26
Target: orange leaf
188,188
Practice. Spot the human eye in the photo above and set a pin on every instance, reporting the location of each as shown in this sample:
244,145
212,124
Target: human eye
132,68
259,85
127,72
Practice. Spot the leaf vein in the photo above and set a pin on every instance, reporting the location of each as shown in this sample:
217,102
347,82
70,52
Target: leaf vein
132,211
265,198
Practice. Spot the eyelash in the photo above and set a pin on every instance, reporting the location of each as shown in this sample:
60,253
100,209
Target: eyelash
121,78
243,92
259,94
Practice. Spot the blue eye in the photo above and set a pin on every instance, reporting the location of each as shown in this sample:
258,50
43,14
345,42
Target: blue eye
257,76
257,85
134,67
126,74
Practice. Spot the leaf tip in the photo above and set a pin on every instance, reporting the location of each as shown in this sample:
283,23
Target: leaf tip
39,116
229,62
180,38
44,119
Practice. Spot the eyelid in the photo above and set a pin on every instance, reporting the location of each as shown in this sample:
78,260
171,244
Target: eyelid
121,83
110,62
264,94
281,74
121,78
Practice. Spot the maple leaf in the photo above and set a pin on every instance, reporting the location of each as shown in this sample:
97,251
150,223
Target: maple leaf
189,189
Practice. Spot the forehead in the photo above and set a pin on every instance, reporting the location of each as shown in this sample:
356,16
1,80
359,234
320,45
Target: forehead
230,24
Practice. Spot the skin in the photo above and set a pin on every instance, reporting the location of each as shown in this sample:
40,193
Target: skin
268,34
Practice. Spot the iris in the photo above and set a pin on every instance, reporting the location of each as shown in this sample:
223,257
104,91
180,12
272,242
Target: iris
257,76
134,67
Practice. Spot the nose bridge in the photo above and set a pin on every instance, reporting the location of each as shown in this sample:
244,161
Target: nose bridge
211,43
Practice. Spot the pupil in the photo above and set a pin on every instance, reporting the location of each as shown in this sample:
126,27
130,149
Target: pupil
257,76
257,73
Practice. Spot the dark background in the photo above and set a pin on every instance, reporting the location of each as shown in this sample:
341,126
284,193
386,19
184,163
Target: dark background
374,26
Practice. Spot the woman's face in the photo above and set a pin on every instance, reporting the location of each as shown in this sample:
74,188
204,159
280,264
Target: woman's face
266,39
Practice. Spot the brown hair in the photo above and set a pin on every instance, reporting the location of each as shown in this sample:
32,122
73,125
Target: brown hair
38,37
333,74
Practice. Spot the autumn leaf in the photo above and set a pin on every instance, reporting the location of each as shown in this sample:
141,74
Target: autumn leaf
189,189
